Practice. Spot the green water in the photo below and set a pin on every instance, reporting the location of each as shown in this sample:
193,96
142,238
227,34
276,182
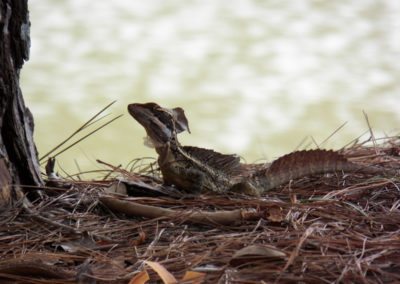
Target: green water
254,77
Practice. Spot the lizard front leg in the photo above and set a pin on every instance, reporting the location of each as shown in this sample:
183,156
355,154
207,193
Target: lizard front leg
245,187
187,179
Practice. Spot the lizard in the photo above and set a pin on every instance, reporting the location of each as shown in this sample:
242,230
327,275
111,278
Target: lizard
195,169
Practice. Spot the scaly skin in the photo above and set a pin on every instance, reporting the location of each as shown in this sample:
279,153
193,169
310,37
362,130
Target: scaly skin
194,169
300,164
190,169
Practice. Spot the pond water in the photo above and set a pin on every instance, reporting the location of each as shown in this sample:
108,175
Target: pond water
257,78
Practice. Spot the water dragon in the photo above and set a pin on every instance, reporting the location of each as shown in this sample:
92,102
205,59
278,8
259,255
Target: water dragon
195,169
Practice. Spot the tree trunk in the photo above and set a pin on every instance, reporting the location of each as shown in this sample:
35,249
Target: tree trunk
18,156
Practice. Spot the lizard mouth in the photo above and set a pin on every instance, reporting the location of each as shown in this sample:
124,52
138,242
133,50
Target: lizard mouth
161,124
156,121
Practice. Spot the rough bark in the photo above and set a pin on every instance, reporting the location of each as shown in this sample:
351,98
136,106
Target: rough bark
18,156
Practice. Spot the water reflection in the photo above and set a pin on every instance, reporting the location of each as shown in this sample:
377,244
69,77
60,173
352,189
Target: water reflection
255,77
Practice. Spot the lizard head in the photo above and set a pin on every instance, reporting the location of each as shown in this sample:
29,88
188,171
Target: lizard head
161,124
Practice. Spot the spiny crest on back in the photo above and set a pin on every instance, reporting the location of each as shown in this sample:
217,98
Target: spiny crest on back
229,164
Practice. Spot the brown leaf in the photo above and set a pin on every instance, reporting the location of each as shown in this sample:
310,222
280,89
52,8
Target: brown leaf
139,240
82,244
118,188
256,252
193,277
275,214
140,278
164,274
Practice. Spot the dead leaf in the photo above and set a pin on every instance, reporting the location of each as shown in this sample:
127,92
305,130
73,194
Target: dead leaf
139,240
275,214
118,188
193,277
140,278
256,252
293,198
82,244
164,274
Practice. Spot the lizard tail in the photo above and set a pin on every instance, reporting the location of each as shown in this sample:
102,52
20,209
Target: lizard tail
303,163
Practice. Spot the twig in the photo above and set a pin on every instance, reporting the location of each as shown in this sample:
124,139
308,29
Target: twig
40,218
333,133
370,131
218,217
87,135
86,124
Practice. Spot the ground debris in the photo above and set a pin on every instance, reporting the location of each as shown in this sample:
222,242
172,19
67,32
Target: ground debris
319,229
